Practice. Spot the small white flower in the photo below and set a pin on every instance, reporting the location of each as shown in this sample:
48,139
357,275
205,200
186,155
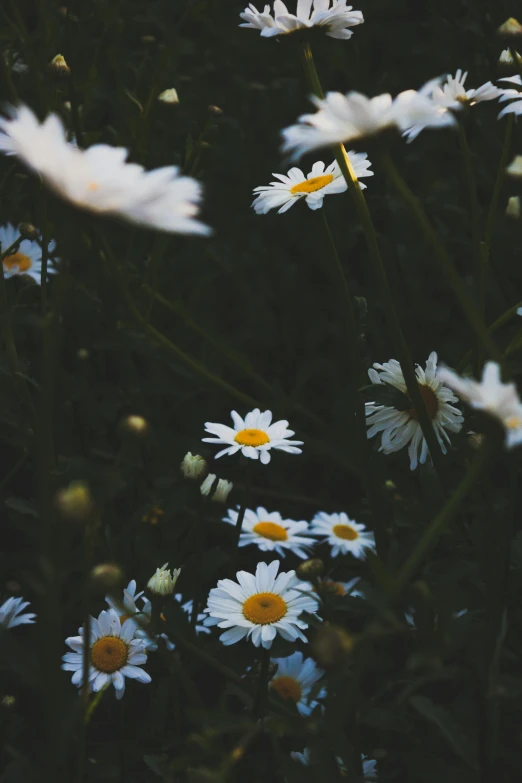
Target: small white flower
99,179
401,427
193,466
260,606
497,399
27,259
131,610
163,582
10,613
114,654
271,533
294,679
343,534
223,490
320,182
254,436
206,485
346,118
335,20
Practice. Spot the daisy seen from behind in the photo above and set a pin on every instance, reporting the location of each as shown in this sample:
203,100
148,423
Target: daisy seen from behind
490,395
259,606
114,654
294,679
401,428
271,533
312,188
11,613
26,259
334,17
344,535
99,179
254,436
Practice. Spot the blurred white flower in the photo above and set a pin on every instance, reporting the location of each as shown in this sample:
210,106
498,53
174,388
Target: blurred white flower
99,179
313,187
271,533
401,428
334,16
294,679
490,395
26,259
163,582
10,613
260,606
254,436
343,534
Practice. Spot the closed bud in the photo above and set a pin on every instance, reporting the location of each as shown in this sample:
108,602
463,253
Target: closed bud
331,646
193,466
169,96
75,501
207,484
514,208
507,64
58,66
223,490
135,425
28,231
511,30
163,582
106,577
215,110
514,170
310,568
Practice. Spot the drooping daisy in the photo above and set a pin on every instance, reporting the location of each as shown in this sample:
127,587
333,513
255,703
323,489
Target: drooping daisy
271,533
313,187
346,118
113,651
369,765
343,534
490,395
335,20
511,94
99,179
26,259
401,427
294,680
260,606
10,613
129,609
254,436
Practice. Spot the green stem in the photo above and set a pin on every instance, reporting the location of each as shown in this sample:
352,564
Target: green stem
240,518
262,688
501,321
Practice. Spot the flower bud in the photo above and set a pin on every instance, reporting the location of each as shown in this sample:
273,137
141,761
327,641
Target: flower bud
163,582
514,209
169,96
507,64
511,30
514,170
135,425
215,110
74,501
207,484
58,66
193,466
223,490
106,577
28,231
331,646
310,568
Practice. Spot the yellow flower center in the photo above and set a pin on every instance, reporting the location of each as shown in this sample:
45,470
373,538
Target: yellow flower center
513,422
264,608
430,398
462,99
92,186
345,531
312,184
270,530
252,438
109,654
19,260
287,688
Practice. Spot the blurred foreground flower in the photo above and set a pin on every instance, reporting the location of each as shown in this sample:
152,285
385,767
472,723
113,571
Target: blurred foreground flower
113,654
400,427
254,436
335,20
26,259
490,395
313,187
260,606
294,680
343,534
271,532
99,180
10,613
163,582
339,588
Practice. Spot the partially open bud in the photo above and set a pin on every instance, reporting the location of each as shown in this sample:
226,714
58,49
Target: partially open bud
28,231
507,64
331,646
514,170
106,577
169,96
511,30
163,582
193,466
135,425
207,484
74,501
58,66
310,568
514,208
223,490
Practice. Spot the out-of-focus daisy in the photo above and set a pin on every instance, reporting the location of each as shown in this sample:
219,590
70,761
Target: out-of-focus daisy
99,179
254,436
313,187
129,609
343,534
260,606
369,765
294,679
490,395
271,533
339,588
10,613
26,259
346,118
333,16
401,428
114,654
511,94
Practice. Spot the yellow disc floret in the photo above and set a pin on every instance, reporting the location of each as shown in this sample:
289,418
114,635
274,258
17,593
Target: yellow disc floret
19,260
287,688
109,654
347,532
312,184
252,438
271,530
264,608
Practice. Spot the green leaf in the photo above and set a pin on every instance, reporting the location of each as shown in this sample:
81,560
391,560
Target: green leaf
450,730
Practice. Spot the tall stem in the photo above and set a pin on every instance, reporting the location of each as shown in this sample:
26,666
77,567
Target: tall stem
241,517
262,688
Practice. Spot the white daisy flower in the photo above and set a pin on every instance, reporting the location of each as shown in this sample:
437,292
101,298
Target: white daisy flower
500,400
113,651
369,765
313,187
254,436
401,427
271,533
10,613
511,94
132,610
27,259
335,20
346,118
99,179
343,534
260,606
294,679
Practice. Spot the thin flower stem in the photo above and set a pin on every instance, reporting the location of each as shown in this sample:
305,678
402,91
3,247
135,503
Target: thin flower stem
379,273
440,253
241,516
260,703
495,326
45,254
